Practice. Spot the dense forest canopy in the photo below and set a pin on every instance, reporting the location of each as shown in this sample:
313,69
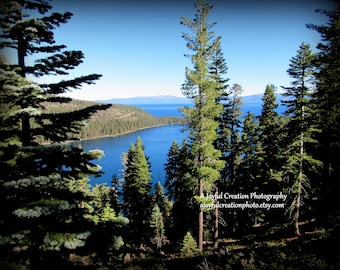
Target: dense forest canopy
241,191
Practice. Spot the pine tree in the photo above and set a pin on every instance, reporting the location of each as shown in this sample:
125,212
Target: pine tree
173,170
248,170
32,36
230,136
116,193
137,191
181,189
269,121
189,245
300,129
229,142
157,225
200,87
271,136
218,69
327,100
159,196
42,184
106,239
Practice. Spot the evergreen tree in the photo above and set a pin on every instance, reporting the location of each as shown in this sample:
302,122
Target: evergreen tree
116,193
189,245
269,121
229,142
32,36
300,129
173,170
271,137
181,189
157,225
230,136
248,171
200,86
251,150
327,100
218,69
137,191
106,238
159,196
42,184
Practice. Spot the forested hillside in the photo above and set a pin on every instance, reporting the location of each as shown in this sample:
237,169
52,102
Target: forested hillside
116,120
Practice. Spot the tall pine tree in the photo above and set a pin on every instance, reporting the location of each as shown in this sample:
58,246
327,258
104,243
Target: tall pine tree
219,69
31,36
200,86
229,143
327,100
270,124
137,191
181,189
300,129
249,179
42,184
271,136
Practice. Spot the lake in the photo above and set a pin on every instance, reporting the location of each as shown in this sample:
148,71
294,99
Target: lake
172,109
157,142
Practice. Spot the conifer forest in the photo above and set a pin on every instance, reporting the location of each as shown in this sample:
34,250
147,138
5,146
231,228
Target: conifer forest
241,191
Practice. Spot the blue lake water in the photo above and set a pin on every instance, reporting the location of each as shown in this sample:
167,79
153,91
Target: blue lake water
172,109
157,142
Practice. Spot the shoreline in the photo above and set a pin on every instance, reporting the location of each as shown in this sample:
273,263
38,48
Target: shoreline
116,135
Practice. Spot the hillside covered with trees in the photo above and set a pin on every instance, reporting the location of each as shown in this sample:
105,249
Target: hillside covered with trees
116,120
241,192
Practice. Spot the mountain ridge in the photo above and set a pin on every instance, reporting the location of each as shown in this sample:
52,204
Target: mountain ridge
169,99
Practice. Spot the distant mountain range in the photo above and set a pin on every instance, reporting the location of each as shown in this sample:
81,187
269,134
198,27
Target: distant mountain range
162,99
167,99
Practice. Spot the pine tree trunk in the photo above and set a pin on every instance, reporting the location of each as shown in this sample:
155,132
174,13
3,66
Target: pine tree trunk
216,221
297,231
25,131
25,125
200,221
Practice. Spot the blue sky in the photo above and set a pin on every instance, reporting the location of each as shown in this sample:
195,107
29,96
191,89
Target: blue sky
138,48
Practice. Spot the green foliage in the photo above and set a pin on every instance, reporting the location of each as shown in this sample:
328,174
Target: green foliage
326,101
204,89
271,136
181,189
270,130
229,139
189,246
32,36
300,130
116,120
49,213
159,197
157,226
136,190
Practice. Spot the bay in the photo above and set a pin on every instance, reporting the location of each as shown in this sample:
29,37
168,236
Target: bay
157,142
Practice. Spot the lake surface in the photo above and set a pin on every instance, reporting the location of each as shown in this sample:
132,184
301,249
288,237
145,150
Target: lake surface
157,142
172,109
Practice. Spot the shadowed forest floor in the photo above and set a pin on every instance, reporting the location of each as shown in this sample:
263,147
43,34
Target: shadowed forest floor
265,247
